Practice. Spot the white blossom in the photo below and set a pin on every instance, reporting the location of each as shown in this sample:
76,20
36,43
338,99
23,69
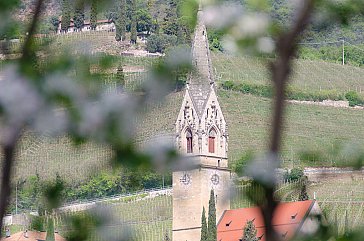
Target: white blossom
19,100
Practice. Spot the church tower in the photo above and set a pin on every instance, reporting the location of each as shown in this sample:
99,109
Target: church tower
201,134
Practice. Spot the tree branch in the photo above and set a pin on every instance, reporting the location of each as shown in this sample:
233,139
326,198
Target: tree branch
10,144
281,69
9,153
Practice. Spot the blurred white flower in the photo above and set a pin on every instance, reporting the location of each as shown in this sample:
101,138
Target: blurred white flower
19,100
51,121
222,16
229,44
112,110
265,45
159,148
251,25
64,86
263,169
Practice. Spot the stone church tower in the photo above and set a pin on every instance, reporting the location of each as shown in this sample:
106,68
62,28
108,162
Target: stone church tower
201,134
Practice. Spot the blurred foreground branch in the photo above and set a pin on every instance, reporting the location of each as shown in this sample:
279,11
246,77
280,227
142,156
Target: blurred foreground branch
9,145
286,47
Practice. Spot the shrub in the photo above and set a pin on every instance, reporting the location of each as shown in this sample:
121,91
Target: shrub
159,43
294,175
354,98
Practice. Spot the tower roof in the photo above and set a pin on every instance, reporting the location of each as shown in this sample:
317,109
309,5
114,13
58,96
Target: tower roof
200,83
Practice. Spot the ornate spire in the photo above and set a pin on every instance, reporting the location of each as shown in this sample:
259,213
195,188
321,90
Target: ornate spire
201,83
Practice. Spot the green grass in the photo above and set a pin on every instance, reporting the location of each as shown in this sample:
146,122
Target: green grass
308,76
307,127
150,219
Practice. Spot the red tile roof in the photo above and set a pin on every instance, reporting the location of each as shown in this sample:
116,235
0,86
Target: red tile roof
287,219
32,236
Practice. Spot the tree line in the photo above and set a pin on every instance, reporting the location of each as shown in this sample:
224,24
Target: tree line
162,18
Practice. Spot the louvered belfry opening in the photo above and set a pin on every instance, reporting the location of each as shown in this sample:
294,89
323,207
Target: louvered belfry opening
189,141
212,136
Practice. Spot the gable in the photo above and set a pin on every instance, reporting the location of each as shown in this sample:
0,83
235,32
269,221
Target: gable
288,218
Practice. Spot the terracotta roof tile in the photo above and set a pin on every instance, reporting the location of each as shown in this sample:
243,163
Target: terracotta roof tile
32,236
286,220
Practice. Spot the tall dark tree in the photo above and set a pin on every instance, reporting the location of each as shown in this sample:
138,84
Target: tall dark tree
93,14
170,23
120,21
66,15
79,17
50,230
144,20
133,24
303,193
250,232
203,226
211,229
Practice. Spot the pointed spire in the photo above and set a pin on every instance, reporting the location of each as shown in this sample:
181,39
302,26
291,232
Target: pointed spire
200,84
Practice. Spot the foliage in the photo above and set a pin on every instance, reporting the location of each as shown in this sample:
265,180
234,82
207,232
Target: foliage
294,174
215,37
159,43
204,232
240,164
354,98
170,24
120,77
303,193
144,20
133,24
120,21
250,232
211,227
66,14
50,229
79,16
93,14
291,92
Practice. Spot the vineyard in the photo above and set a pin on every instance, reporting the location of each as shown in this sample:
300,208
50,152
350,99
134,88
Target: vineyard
150,219
310,76
308,127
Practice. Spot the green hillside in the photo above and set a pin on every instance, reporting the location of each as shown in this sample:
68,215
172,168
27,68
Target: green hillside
150,219
308,127
308,76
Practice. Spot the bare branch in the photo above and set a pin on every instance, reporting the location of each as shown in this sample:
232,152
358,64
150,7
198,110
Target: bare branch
10,145
281,69
9,154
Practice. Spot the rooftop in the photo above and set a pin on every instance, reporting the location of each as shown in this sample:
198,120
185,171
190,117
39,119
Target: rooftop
287,220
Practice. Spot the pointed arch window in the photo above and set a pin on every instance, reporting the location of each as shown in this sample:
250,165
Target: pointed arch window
212,137
189,141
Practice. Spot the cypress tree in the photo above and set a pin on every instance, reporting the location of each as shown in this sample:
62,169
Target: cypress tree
303,194
79,17
203,226
133,27
211,230
170,23
120,22
250,232
93,14
120,77
50,230
66,15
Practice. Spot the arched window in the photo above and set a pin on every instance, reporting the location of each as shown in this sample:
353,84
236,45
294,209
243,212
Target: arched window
189,141
212,136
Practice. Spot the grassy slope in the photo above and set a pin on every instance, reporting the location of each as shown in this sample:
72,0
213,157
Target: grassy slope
307,127
311,76
151,219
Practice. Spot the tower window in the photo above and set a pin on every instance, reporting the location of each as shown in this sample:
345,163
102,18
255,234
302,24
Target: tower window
212,136
189,141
